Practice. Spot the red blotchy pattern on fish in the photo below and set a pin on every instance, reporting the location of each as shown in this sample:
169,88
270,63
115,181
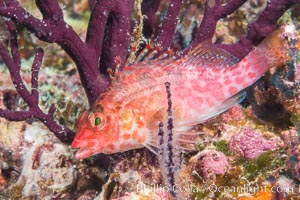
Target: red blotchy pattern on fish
204,83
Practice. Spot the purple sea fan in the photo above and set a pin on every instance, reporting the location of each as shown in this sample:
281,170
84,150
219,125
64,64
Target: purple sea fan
251,144
209,163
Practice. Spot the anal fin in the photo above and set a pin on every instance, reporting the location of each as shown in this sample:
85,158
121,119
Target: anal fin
152,148
186,140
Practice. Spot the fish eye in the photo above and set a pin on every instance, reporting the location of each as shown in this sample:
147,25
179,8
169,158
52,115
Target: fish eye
97,121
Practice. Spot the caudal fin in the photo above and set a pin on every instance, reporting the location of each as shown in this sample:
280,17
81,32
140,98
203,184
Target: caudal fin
275,50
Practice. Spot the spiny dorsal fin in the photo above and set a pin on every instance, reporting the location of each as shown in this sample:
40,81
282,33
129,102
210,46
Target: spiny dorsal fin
206,56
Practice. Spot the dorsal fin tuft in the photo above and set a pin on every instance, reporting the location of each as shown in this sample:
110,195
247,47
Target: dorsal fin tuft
206,56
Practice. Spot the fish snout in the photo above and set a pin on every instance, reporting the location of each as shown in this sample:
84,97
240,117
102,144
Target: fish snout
76,144
80,143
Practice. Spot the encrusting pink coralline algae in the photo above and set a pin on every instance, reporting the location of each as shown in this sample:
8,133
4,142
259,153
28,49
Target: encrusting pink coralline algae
209,163
251,144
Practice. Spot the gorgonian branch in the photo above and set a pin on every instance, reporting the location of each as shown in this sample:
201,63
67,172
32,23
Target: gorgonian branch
52,28
14,44
37,62
14,71
265,24
117,33
169,24
95,32
50,10
30,97
267,21
214,11
149,9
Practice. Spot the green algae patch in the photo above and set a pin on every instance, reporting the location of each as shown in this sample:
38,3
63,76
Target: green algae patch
266,162
222,146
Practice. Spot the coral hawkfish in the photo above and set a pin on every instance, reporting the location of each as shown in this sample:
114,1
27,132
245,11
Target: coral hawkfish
204,83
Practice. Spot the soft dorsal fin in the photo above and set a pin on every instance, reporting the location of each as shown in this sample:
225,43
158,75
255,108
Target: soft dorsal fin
207,56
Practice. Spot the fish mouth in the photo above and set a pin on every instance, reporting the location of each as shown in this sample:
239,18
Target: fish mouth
84,152
76,144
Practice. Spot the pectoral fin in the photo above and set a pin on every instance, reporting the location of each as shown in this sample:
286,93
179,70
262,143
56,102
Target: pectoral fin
185,126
